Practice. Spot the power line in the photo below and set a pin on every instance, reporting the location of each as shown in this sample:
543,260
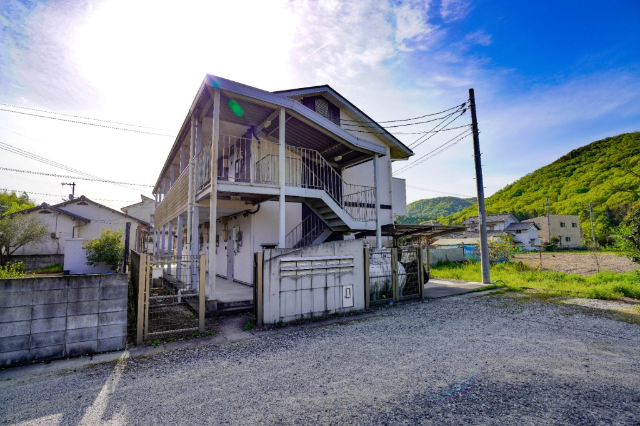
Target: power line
88,124
407,119
32,156
404,125
72,177
418,142
439,192
85,118
424,157
55,195
410,133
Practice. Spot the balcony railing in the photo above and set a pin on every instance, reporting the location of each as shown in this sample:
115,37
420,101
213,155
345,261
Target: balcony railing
244,160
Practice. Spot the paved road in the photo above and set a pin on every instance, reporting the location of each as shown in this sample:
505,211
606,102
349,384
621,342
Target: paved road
470,360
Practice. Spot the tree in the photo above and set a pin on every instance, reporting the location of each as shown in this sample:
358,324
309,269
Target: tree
628,235
106,249
19,230
10,202
501,249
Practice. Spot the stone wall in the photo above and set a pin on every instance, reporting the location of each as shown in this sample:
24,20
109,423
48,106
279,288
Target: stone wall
53,317
36,261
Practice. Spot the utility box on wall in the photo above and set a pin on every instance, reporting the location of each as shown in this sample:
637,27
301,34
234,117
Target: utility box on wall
347,296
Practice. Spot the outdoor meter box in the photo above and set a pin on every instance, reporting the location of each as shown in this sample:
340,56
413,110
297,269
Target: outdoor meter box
347,296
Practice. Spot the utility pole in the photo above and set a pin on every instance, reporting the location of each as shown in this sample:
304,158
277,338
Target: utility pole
484,249
548,224
73,189
593,232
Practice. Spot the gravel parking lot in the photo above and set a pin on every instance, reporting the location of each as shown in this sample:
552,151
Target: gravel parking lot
497,359
585,263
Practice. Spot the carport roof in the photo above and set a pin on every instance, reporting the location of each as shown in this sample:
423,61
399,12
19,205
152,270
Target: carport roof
399,231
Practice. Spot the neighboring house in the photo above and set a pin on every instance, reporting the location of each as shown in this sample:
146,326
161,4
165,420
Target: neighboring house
144,210
61,225
524,233
290,169
82,218
565,227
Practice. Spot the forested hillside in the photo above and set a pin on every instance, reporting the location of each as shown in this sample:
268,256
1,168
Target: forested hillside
606,172
432,208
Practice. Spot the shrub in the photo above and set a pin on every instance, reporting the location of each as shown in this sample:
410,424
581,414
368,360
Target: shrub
12,270
106,249
54,268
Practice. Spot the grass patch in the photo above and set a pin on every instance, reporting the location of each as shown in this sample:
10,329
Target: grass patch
55,268
518,276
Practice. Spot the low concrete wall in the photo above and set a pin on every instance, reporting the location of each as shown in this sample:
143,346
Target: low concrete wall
52,317
455,254
36,261
312,281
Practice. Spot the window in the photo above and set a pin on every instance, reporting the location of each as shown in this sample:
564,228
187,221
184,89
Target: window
322,107
567,239
574,225
562,224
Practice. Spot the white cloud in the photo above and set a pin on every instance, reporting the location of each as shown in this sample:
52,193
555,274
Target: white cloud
453,10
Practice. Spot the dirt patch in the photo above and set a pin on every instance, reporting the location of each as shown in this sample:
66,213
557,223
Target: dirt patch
578,263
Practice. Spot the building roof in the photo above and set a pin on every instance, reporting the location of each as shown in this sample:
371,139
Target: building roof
142,197
397,147
521,226
45,206
501,217
556,216
83,198
402,230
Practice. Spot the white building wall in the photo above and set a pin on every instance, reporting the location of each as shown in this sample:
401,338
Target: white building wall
399,193
101,218
55,223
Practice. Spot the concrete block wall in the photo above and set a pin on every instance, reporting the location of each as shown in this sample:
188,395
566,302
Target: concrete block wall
286,298
44,318
37,261
454,254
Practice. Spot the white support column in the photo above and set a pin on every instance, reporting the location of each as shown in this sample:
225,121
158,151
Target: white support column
281,179
179,250
172,175
198,136
164,187
156,195
213,203
376,179
190,195
170,248
162,252
195,245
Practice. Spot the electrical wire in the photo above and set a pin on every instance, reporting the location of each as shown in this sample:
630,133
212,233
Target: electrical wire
408,119
88,124
419,188
410,133
424,157
85,118
72,177
419,142
404,125
32,156
438,153
54,195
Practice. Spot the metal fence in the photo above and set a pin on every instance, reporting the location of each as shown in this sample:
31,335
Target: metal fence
170,295
394,274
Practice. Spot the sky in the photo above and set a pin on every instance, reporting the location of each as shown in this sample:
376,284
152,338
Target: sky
548,76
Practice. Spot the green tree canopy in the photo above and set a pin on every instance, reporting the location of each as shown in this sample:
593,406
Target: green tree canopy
10,202
107,249
19,230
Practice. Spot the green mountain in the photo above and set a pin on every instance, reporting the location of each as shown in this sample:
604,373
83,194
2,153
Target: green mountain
430,209
605,172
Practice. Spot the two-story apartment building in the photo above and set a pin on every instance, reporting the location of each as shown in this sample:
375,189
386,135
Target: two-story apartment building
251,168
524,233
565,227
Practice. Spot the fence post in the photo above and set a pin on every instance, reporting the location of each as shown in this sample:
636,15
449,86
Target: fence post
367,290
142,268
201,304
421,271
147,290
394,274
257,292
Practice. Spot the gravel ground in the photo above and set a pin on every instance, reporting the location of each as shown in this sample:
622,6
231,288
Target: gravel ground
484,360
578,263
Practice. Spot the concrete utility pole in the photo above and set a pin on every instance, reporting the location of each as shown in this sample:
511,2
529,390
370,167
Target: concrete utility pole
484,249
72,196
548,224
593,232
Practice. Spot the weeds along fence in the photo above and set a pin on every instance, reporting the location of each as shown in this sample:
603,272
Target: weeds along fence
169,295
394,274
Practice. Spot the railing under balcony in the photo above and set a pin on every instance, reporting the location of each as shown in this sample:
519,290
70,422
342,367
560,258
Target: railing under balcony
175,202
305,232
246,160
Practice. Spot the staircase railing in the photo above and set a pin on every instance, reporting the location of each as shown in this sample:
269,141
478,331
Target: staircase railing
251,161
305,232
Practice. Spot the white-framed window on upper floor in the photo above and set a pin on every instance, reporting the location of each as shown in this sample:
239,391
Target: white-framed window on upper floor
562,225
574,225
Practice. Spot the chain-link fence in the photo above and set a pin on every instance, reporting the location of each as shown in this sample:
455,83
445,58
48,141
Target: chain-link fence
409,280
380,276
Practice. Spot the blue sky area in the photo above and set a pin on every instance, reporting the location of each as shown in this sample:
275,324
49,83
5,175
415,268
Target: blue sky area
549,76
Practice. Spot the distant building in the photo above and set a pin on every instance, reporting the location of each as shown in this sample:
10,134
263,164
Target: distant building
565,227
524,233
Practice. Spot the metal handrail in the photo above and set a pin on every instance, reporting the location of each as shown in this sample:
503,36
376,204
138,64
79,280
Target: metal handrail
305,232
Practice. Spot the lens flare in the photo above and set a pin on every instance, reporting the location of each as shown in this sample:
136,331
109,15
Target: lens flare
236,108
